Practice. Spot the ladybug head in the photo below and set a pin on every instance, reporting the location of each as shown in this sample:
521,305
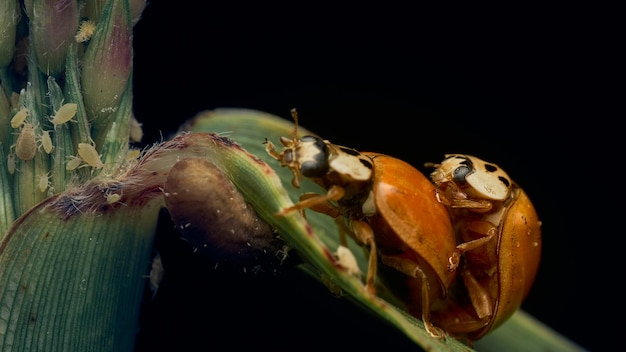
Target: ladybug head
478,178
306,156
311,156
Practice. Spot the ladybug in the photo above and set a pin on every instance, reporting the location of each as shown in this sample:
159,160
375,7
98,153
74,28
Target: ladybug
384,204
499,250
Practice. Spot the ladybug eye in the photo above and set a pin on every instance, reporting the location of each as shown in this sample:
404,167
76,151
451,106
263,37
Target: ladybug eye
459,174
314,168
288,156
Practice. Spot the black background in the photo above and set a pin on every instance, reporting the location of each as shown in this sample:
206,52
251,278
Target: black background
524,87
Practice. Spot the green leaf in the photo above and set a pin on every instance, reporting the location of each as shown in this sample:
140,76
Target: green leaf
523,332
73,280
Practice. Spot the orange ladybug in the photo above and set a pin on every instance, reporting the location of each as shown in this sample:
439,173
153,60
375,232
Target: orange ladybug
388,206
499,236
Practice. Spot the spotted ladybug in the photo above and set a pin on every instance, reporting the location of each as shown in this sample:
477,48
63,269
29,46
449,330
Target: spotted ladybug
499,250
388,206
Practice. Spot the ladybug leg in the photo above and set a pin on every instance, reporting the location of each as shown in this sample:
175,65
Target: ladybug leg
412,269
478,206
365,235
343,231
433,330
480,297
315,201
454,197
325,207
271,150
459,200
470,318
487,231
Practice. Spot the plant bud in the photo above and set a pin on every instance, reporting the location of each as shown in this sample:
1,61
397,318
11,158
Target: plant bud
214,217
9,17
53,24
107,63
93,9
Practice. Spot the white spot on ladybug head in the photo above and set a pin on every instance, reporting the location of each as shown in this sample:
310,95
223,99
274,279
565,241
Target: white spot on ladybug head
488,180
351,165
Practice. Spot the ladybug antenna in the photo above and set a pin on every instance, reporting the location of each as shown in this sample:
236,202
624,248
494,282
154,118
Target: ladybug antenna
294,115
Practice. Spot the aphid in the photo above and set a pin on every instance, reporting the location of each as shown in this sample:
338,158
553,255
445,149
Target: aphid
90,155
132,154
136,133
64,114
111,197
73,163
347,260
156,274
19,118
46,142
26,144
11,163
44,182
86,30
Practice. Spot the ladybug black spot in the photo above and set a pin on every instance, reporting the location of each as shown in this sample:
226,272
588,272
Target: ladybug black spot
366,163
315,142
491,168
467,162
349,151
505,181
